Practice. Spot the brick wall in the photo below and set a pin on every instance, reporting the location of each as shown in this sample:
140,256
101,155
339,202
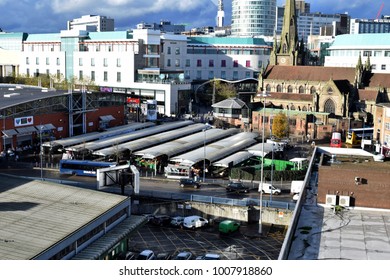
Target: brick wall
373,192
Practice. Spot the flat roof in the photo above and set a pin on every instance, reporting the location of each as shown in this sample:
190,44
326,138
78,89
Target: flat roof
36,215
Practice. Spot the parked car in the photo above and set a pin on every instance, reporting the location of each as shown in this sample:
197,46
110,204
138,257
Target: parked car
228,226
237,187
194,222
177,221
163,256
183,256
268,189
161,220
186,182
209,256
146,255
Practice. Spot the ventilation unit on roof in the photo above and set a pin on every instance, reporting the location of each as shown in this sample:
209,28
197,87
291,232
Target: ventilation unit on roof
344,200
331,199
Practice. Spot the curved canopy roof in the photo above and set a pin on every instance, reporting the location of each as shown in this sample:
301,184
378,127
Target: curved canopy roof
217,150
187,143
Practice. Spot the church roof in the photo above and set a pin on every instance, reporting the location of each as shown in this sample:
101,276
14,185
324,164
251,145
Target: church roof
309,73
379,80
368,95
290,96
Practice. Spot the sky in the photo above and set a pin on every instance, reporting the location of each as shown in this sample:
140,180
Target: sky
51,16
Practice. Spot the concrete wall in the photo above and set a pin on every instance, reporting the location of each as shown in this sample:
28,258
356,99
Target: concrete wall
213,211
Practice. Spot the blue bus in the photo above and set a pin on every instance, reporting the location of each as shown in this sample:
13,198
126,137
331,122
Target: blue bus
82,167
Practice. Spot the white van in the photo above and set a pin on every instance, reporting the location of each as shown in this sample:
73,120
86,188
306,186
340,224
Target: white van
194,222
268,188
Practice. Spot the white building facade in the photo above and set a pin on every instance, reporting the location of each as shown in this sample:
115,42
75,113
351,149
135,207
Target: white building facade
346,50
92,23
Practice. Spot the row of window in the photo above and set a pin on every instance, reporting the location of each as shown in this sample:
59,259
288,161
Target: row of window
81,61
378,53
92,77
211,63
290,89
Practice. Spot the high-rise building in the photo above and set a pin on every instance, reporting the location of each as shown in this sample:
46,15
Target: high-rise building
91,23
359,26
253,18
220,14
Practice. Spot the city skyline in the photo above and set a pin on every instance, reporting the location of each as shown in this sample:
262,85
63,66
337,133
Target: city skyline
51,16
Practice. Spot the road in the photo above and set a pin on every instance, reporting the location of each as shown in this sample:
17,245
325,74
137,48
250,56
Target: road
210,188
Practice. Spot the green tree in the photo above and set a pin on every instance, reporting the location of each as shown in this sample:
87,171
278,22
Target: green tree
224,90
280,125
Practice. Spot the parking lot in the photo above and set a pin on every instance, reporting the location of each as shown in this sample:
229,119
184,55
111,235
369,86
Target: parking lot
246,244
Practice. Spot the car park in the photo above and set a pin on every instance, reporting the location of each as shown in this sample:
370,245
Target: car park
237,187
187,182
193,222
177,221
268,189
228,226
146,255
185,255
161,220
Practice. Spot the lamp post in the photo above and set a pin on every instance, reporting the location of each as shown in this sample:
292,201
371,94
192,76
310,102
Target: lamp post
264,95
204,155
41,150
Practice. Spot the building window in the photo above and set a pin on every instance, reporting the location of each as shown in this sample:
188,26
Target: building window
329,106
80,61
47,61
278,88
118,77
223,63
367,53
27,60
387,53
92,61
268,87
168,62
105,63
105,76
387,126
177,51
118,62
248,63
211,63
301,89
92,75
81,75
383,67
235,63
188,62
199,75
177,62
58,74
290,89
169,50
37,60
373,66
235,75
199,63
247,74
28,72
211,75
313,90
223,74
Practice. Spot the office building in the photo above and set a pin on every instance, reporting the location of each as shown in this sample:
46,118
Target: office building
93,23
253,18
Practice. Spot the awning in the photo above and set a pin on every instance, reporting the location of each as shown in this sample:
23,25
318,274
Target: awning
9,132
107,118
44,127
26,129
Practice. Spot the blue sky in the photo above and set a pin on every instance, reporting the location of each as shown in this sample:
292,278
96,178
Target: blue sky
45,16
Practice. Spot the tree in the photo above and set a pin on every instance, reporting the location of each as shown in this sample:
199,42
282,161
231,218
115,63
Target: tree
280,125
224,90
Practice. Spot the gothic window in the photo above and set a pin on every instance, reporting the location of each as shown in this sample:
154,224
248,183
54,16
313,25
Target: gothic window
329,106
268,88
292,107
278,88
304,108
330,90
312,90
301,89
290,89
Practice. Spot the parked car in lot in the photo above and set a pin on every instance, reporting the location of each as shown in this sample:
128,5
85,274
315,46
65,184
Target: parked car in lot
146,255
186,182
237,187
194,222
209,256
268,189
161,220
177,221
183,256
228,226
163,256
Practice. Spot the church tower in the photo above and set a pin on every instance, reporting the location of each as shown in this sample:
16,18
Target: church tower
288,51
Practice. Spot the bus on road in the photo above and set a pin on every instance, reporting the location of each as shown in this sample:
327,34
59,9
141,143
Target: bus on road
82,167
355,135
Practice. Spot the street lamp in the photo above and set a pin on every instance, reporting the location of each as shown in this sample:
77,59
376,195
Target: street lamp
204,155
41,150
264,95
